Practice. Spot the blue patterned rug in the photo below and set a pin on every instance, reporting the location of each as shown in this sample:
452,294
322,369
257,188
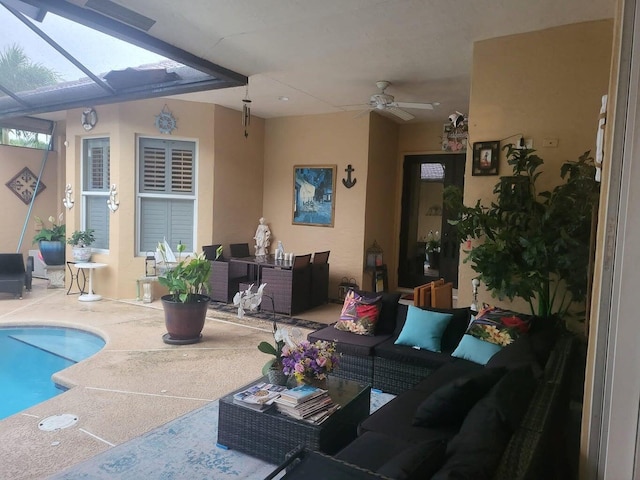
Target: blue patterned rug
183,449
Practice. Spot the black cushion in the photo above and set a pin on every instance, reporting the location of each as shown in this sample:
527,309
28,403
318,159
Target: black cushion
518,353
451,402
417,462
404,354
475,452
395,419
347,342
457,367
388,313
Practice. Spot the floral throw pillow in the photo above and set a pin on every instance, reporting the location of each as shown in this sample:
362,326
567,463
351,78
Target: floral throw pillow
360,313
502,327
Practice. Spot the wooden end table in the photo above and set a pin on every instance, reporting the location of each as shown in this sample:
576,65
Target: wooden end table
270,435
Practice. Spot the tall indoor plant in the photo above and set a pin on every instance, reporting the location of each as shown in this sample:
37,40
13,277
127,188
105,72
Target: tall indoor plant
50,239
185,307
534,245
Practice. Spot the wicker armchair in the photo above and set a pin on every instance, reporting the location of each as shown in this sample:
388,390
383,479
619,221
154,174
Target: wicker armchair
320,279
13,274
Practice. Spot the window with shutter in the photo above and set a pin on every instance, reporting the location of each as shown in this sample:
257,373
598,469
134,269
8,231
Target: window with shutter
95,189
166,193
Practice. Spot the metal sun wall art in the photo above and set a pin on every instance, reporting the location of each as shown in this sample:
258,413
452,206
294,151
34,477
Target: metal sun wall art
24,185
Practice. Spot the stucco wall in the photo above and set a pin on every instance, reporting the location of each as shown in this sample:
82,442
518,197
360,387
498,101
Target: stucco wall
332,139
123,124
48,202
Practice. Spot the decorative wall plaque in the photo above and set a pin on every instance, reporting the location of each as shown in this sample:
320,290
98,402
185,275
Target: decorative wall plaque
24,185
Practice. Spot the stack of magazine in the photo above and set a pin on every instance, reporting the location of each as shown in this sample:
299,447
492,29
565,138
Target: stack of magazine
259,396
306,402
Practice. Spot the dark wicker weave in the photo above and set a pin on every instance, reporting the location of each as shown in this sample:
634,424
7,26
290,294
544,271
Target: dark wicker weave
355,367
13,275
290,289
531,452
219,281
270,435
395,377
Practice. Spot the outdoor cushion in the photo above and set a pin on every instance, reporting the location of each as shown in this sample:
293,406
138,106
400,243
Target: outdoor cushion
347,342
360,313
450,403
476,350
423,329
387,319
403,354
499,326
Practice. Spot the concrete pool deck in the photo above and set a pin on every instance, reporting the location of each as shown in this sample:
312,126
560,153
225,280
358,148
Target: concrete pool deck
134,384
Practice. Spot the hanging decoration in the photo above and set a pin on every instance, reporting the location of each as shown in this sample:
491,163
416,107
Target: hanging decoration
455,133
89,119
113,203
24,185
165,121
68,200
246,112
349,182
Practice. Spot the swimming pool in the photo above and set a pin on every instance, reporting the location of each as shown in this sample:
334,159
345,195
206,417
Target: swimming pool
30,355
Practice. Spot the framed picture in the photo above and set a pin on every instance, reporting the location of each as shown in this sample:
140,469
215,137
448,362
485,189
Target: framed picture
313,195
485,158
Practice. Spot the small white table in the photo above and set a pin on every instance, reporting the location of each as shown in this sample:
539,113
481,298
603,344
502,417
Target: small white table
91,266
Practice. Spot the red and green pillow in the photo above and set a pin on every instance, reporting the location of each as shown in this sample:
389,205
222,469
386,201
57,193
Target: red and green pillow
360,313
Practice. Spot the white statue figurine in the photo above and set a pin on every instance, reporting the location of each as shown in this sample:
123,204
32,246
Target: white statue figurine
262,238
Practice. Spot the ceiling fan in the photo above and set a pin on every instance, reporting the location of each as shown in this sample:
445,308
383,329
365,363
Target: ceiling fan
385,102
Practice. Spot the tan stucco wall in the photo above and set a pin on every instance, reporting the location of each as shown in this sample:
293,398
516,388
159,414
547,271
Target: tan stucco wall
332,139
123,124
48,202
540,84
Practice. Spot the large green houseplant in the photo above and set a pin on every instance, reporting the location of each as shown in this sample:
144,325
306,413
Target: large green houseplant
185,307
533,245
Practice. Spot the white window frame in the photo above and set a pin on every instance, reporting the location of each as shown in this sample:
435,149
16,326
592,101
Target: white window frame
88,193
140,195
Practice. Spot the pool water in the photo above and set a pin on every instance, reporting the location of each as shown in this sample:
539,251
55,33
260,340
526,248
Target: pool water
29,356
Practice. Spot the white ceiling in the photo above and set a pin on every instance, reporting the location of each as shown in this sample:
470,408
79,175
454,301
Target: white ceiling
326,56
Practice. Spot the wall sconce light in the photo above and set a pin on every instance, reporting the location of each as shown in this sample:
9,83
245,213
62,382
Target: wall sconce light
113,203
68,201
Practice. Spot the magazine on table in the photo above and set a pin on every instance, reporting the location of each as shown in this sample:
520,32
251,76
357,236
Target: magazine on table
305,409
319,417
259,396
300,394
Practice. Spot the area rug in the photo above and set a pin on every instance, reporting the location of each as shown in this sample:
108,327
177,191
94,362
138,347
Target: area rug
184,448
268,316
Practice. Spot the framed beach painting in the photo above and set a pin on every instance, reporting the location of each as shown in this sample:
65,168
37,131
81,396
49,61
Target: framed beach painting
313,195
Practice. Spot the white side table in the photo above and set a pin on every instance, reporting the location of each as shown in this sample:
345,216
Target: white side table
91,266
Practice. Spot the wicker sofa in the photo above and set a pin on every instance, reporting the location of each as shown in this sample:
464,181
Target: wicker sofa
378,361
14,277
510,431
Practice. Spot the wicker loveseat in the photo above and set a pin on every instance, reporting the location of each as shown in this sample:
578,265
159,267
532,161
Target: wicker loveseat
13,274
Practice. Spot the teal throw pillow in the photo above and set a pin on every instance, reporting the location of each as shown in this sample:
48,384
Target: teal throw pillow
423,329
475,350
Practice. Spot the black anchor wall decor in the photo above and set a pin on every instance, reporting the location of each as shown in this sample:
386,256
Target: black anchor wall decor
348,182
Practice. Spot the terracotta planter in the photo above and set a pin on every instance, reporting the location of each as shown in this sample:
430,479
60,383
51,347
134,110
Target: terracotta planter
52,252
184,321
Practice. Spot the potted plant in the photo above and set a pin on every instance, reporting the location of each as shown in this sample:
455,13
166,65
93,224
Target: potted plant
534,245
81,241
185,307
432,250
50,240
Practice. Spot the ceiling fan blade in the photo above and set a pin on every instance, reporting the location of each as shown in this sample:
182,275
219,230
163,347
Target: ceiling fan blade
399,113
363,112
423,106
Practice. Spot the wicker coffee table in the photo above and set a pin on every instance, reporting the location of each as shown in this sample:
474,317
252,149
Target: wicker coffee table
270,435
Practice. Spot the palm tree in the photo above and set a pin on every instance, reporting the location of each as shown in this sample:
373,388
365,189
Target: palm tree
19,74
